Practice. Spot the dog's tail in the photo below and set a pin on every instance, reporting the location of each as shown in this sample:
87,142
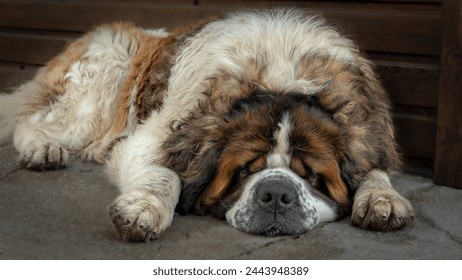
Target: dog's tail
10,107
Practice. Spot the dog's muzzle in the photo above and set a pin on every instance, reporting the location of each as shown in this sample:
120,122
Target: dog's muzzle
275,202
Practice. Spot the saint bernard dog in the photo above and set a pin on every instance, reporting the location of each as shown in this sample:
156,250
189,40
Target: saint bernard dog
271,120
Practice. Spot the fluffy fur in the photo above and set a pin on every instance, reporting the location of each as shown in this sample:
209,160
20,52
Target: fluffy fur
272,120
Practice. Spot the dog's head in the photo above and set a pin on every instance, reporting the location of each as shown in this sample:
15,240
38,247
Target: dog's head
270,164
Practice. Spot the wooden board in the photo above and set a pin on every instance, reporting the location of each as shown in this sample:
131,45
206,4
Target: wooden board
30,48
415,135
411,84
378,27
14,75
448,160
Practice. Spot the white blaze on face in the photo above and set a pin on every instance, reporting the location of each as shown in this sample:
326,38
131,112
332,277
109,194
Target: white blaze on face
280,156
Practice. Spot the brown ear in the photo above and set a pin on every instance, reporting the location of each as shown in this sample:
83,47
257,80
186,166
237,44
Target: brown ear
197,176
336,187
220,183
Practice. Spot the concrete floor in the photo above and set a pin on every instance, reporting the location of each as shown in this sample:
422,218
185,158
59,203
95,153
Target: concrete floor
63,215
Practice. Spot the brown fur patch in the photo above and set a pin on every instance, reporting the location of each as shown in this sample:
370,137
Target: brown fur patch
145,86
151,59
149,74
360,107
245,149
319,145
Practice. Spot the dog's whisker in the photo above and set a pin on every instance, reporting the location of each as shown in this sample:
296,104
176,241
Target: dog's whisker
224,205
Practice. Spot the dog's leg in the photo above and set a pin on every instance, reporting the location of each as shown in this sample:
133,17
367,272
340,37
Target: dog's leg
378,206
149,191
33,136
37,151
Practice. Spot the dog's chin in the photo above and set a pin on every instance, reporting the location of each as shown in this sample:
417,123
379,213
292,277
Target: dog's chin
272,228
269,228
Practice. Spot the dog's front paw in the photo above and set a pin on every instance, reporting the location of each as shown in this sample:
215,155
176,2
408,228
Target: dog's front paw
140,217
44,156
381,209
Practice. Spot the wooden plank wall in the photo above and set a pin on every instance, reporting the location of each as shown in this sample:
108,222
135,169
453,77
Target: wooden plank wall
448,160
402,37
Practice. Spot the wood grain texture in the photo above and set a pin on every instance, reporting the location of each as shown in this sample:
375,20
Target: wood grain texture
415,135
411,84
14,75
379,27
30,48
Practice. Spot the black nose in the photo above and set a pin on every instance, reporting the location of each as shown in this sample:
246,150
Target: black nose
275,196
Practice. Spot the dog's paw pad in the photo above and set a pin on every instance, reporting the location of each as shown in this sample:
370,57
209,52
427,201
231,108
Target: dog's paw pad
381,210
140,219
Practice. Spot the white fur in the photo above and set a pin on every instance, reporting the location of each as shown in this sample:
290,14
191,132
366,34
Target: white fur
280,39
161,32
87,107
281,156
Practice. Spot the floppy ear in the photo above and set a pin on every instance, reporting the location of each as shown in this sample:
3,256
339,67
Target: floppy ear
220,183
352,174
191,150
336,188
197,176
